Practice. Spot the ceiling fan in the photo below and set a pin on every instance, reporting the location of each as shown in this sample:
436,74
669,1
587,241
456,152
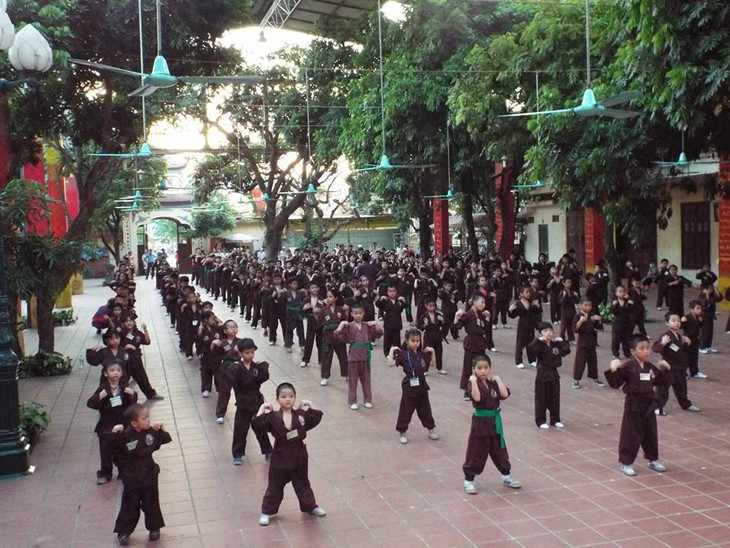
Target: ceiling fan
384,163
589,105
160,76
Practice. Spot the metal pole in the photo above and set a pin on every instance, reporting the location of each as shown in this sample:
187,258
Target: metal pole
14,446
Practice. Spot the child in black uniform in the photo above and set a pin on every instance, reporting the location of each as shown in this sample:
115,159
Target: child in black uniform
289,462
432,323
415,363
246,378
111,399
549,352
134,445
486,438
638,377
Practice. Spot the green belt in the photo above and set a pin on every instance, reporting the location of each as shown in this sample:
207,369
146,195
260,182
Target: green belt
367,345
497,415
327,327
294,309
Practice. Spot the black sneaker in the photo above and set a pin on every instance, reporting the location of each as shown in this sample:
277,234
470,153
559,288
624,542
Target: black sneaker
123,539
155,535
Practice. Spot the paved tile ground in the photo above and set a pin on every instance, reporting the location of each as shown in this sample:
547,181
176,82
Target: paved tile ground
376,491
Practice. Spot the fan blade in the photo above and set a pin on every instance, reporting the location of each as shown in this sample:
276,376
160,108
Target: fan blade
412,166
143,91
233,79
100,66
620,98
537,113
619,114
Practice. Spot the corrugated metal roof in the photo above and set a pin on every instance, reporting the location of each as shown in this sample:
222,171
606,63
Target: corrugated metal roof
302,15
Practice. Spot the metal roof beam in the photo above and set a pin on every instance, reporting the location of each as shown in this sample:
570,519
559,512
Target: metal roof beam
279,13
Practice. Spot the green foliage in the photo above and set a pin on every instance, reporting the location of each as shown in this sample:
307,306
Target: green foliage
34,420
214,218
64,317
604,309
45,364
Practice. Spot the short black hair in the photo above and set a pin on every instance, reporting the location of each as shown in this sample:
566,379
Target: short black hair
636,339
480,358
133,412
284,386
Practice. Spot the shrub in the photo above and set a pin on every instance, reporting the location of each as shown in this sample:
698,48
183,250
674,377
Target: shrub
64,317
45,364
34,420
604,309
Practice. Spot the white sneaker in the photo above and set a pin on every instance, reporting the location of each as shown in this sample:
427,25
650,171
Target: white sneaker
303,364
323,382
657,466
206,394
544,426
288,350
264,519
493,350
693,408
220,420
628,470
441,372
533,364
559,425
403,439
368,405
319,512
703,351
470,488
271,343
354,407
520,366
699,375
432,435
712,350
511,482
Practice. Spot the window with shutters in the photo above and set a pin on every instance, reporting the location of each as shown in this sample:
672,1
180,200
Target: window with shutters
695,235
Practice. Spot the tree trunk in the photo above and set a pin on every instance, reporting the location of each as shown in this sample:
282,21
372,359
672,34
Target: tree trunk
272,240
612,260
44,315
467,214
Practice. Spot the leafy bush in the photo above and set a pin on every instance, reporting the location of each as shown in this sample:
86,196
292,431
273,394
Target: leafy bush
34,420
64,317
604,309
45,364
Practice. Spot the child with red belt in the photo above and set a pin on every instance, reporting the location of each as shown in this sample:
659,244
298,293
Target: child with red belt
415,363
486,438
289,461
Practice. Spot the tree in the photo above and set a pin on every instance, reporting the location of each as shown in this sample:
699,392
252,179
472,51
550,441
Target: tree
283,132
91,109
215,217
423,58
109,215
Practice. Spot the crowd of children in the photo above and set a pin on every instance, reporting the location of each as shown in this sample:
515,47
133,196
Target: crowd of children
353,298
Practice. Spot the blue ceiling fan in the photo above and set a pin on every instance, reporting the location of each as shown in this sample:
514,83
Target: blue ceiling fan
160,76
589,104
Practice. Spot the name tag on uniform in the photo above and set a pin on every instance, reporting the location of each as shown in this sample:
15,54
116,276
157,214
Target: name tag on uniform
673,347
292,434
414,381
644,376
227,347
195,323
132,445
130,336
115,401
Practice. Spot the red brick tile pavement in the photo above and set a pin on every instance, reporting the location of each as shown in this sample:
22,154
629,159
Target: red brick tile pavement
376,491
